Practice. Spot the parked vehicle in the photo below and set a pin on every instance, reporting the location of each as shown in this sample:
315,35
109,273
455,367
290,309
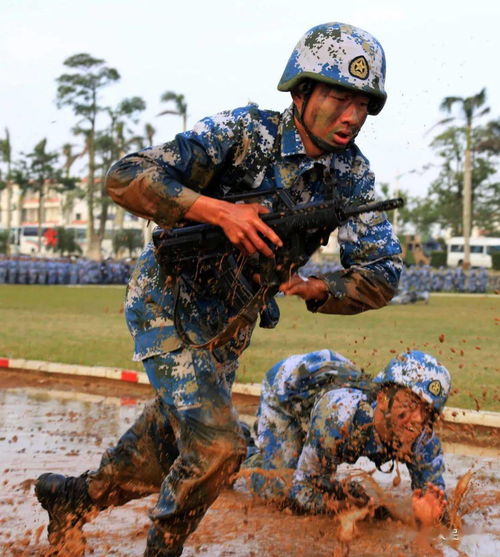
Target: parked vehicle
481,249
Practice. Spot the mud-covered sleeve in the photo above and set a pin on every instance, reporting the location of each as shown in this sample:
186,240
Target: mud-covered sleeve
314,487
161,183
428,463
369,253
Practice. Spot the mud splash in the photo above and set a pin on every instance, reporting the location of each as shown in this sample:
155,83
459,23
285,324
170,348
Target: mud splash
49,431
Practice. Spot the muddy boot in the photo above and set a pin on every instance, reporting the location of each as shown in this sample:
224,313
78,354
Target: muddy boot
156,546
67,502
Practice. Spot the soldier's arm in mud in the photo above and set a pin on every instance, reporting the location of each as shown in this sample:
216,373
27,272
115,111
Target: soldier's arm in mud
426,473
165,183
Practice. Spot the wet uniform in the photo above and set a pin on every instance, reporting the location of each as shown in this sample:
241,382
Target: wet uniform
310,422
316,412
247,149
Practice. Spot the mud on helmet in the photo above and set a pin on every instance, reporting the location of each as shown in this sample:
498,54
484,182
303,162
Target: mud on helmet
341,55
422,374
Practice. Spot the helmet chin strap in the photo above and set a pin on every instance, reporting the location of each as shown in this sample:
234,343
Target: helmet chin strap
317,141
387,414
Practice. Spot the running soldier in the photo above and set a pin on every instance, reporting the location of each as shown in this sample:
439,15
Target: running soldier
336,78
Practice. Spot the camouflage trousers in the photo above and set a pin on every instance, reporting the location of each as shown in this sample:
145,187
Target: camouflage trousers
186,444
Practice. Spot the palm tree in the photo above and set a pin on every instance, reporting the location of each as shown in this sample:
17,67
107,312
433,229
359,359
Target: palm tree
43,173
112,144
180,105
71,191
80,90
471,108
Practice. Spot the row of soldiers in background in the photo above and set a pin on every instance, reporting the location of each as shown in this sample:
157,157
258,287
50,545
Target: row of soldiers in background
425,279
420,280
23,269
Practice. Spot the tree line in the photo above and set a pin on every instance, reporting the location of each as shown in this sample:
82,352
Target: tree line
80,88
465,192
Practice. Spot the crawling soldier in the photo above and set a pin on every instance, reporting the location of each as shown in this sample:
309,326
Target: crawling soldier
318,411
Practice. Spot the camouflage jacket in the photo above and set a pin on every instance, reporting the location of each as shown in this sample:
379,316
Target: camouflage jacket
248,149
333,404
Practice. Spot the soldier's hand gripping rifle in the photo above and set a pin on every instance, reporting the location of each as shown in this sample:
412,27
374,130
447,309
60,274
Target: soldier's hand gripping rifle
195,248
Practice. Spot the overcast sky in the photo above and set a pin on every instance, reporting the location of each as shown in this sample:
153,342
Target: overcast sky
224,53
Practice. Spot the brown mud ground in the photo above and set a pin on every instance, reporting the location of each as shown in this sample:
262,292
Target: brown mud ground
61,423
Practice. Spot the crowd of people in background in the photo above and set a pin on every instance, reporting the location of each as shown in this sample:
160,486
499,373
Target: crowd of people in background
445,279
25,269
424,278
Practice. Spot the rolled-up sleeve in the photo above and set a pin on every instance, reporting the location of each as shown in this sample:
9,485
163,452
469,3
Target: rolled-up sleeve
369,253
161,183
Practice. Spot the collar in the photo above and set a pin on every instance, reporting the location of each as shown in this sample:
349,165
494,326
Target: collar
291,143
294,160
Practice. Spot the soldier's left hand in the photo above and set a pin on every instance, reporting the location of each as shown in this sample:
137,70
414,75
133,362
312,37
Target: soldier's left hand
428,505
307,289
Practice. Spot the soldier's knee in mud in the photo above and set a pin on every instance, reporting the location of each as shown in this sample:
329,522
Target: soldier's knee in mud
228,452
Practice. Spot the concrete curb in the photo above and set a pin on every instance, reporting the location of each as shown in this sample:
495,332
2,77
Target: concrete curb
452,415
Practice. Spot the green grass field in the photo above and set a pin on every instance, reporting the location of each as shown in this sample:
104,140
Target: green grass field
86,326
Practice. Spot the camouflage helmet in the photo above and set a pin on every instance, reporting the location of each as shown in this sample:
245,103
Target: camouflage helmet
342,55
422,374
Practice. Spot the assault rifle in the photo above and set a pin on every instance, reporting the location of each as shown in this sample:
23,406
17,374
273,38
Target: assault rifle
200,257
187,248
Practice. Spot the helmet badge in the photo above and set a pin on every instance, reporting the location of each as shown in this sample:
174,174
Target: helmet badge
358,67
435,387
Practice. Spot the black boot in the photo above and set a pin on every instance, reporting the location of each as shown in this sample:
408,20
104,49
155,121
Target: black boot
67,502
156,546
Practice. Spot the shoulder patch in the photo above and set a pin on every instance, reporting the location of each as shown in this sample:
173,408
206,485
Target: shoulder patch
358,67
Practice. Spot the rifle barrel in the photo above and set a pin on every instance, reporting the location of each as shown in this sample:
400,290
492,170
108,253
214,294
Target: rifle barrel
384,205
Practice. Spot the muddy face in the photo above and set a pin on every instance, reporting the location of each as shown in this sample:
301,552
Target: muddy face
336,115
400,423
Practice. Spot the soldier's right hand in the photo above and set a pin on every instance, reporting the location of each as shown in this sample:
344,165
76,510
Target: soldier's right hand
241,223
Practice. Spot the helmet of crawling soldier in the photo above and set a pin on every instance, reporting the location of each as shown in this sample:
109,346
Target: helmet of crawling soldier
341,55
422,374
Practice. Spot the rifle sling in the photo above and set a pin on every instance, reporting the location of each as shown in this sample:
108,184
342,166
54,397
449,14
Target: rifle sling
246,316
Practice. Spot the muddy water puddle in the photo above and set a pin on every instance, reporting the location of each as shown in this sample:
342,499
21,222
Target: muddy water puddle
61,431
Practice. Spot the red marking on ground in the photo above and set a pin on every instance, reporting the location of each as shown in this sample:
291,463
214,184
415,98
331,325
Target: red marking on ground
4,362
128,401
129,376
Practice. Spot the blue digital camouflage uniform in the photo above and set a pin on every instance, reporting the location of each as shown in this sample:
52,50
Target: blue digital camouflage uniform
316,412
51,271
32,271
12,268
42,271
240,150
22,270
3,269
73,272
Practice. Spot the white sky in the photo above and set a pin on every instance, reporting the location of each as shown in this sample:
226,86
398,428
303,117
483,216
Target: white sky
223,53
